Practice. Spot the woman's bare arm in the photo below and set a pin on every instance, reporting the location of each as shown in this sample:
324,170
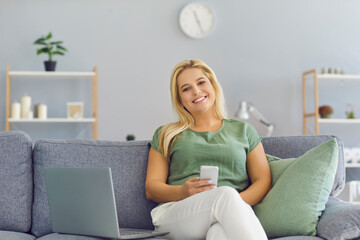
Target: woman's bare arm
156,188
260,176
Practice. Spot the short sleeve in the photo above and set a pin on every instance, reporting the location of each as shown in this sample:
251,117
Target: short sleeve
252,136
155,141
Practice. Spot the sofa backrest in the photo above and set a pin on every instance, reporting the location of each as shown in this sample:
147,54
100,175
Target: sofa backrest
16,185
127,160
295,146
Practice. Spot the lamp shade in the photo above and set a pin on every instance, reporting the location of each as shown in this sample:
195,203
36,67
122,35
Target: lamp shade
242,112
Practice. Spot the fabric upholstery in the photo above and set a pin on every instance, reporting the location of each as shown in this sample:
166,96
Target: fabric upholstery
57,236
128,161
8,235
301,188
298,238
295,146
16,189
340,220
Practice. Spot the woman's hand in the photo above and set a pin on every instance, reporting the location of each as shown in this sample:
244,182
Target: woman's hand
194,185
155,185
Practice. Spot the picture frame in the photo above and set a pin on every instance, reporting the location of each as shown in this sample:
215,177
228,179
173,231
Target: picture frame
75,110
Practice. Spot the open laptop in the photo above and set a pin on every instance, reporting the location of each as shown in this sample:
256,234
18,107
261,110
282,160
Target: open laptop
82,202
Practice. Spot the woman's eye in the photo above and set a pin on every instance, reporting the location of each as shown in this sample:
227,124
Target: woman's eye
185,89
201,82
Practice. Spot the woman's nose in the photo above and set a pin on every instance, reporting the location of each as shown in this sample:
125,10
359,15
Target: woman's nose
196,90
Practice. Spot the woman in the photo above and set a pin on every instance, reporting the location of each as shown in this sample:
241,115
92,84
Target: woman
192,208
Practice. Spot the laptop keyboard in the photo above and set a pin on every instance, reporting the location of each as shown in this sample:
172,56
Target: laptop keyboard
131,233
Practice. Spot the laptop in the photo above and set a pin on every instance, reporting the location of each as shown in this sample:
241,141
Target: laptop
82,202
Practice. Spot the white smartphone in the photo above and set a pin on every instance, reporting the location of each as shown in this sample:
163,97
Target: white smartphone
209,172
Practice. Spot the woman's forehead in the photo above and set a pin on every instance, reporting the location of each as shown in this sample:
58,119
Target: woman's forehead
189,75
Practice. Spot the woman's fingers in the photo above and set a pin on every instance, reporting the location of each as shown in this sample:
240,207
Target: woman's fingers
202,183
194,185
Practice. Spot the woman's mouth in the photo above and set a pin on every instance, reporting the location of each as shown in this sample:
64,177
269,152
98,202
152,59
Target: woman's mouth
199,99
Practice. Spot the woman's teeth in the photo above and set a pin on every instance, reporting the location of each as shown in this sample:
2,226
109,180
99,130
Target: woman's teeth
199,99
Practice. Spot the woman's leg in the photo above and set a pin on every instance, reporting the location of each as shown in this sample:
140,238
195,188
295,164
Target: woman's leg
236,216
192,217
216,232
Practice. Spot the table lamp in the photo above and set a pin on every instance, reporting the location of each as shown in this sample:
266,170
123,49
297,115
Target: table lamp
243,114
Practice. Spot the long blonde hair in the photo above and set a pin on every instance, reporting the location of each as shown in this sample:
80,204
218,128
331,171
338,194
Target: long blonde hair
170,131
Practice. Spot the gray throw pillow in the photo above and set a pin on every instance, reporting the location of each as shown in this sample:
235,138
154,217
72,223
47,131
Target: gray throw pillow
339,221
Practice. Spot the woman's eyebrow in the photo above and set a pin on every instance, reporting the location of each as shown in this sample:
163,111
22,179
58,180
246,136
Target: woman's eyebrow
184,85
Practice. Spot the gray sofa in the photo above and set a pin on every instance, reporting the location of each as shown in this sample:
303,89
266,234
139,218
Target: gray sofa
24,212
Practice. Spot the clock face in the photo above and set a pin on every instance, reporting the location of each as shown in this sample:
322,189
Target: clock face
197,20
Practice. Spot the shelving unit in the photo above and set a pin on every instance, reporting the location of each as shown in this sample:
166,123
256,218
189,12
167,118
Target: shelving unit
313,75
53,120
51,76
339,120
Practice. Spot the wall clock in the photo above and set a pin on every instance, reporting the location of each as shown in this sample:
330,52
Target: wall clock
197,20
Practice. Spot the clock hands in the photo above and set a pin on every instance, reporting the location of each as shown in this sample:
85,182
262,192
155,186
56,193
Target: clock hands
198,21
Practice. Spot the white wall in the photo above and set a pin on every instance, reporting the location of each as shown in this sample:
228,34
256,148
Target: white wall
258,50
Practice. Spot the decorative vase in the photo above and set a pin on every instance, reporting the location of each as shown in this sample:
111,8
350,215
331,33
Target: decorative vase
50,66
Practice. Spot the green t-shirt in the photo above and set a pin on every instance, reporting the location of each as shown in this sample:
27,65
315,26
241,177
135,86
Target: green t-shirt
226,148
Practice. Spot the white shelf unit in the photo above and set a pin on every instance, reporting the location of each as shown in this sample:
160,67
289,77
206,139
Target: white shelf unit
352,165
313,75
339,120
51,74
338,76
93,75
53,120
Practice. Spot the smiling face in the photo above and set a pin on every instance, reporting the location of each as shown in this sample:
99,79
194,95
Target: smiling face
196,92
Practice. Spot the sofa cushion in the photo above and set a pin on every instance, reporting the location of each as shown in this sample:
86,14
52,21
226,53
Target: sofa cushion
127,160
298,238
301,188
340,220
7,235
16,188
295,146
57,236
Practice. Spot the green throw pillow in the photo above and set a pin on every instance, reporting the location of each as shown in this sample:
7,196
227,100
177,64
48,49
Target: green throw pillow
301,188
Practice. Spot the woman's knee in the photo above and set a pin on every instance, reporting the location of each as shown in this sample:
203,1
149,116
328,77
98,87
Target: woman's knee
216,232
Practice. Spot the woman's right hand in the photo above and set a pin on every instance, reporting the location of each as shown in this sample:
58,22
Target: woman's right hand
155,185
194,185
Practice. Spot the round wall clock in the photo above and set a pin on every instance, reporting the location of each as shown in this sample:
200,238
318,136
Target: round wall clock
197,20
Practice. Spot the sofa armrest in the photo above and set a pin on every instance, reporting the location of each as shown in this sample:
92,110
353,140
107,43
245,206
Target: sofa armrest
340,220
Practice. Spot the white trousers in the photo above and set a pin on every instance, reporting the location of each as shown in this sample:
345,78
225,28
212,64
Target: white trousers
218,214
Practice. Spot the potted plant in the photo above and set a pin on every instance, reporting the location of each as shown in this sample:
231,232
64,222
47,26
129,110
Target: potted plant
130,137
325,111
51,48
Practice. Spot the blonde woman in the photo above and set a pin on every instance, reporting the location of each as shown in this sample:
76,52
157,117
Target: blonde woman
192,208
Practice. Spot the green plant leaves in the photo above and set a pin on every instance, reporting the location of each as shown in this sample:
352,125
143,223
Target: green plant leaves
58,53
51,47
61,47
56,43
42,50
49,36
